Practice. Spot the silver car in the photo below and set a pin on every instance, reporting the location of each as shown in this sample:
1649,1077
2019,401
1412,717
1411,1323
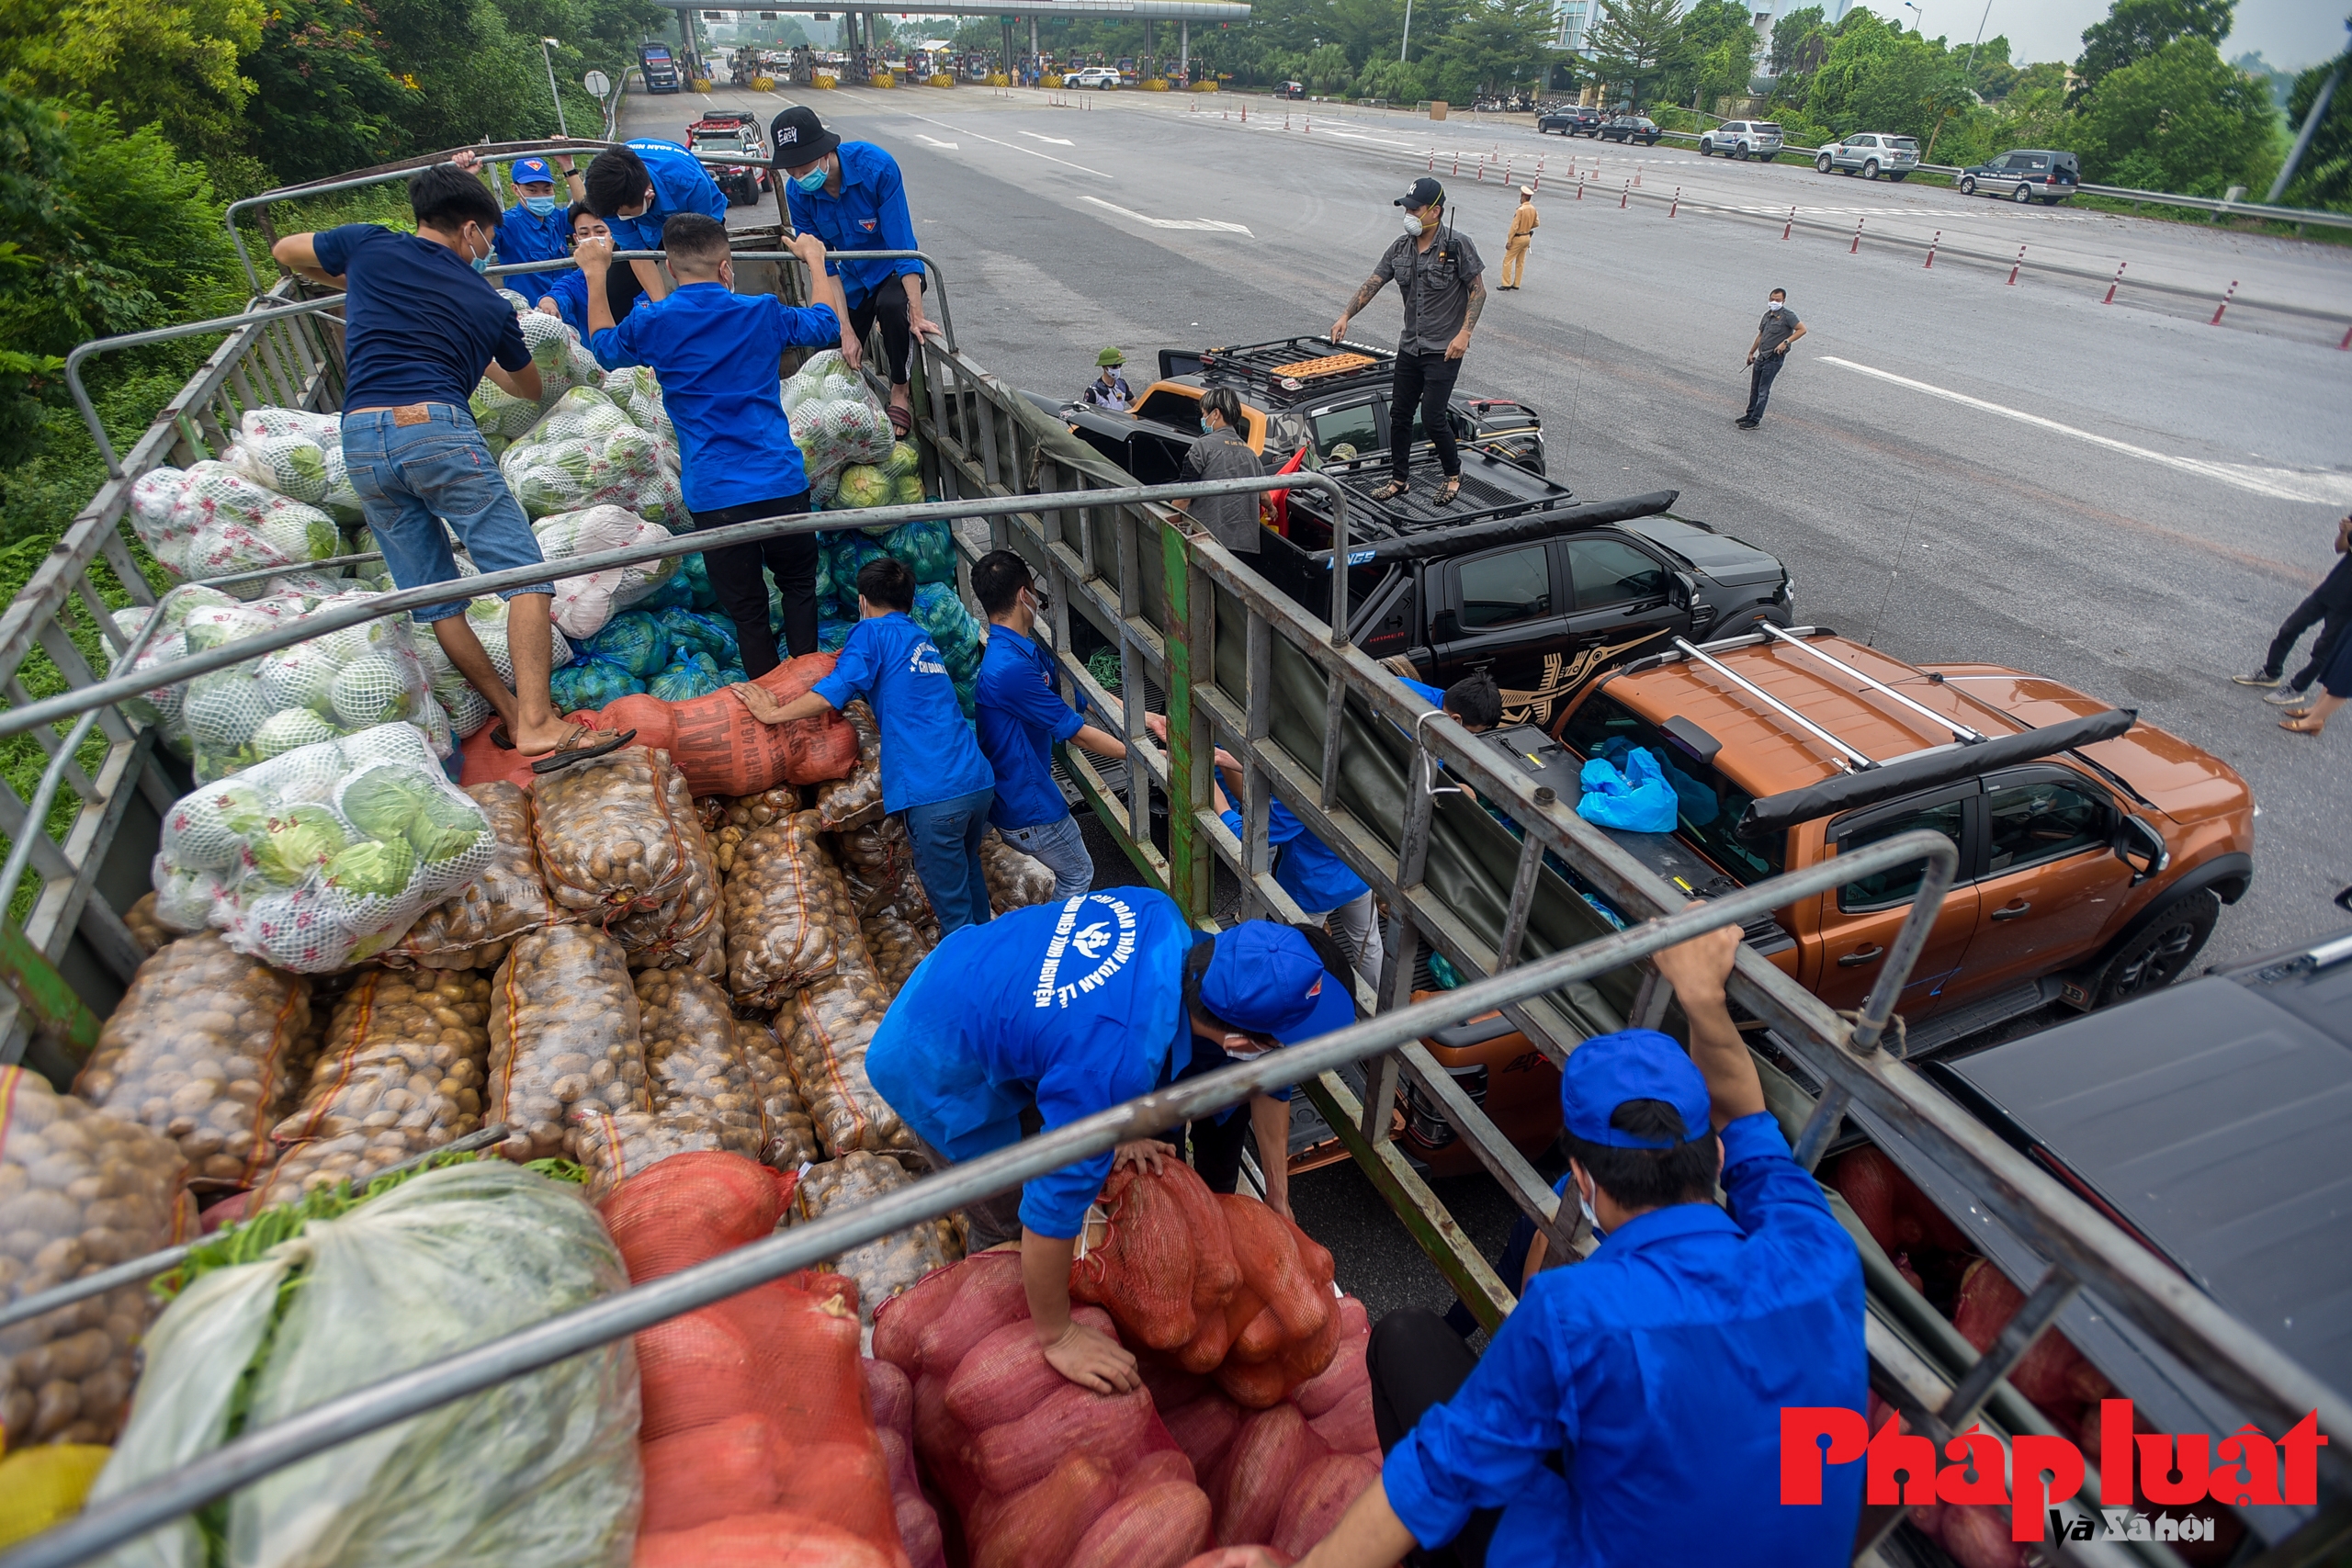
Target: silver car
1743,139
1870,154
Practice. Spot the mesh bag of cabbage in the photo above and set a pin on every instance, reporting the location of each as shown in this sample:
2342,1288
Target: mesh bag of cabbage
583,604
1041,1473
563,1037
206,1048
402,1071
755,1406
108,1190
539,1469
474,928
888,1264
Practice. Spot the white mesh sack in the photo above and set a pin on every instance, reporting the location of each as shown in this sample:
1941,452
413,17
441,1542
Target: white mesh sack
293,466
156,517
583,604
487,616
325,429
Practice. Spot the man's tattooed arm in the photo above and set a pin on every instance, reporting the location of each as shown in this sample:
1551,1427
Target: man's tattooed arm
1364,296
1478,303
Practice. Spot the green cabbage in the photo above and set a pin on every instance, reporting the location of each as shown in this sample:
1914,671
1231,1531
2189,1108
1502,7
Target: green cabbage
383,800
379,868
863,485
446,829
296,842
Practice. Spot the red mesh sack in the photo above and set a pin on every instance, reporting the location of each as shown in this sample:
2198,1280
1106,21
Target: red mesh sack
1293,1334
1267,1453
1322,1492
1144,1273
894,1417
760,1539
691,1209
1043,1473
723,749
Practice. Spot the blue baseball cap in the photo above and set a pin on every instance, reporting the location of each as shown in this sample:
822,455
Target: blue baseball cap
1632,1064
1266,979
532,171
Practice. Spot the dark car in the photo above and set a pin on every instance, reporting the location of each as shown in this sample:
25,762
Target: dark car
1290,90
1632,128
1574,119
1330,398
2026,175
1517,577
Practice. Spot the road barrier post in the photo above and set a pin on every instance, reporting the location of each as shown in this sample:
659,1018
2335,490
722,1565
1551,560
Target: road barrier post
1931,250
1457,167
2015,265
1580,187
1625,196
1309,128
2347,343
1856,248
1791,224
1432,160
1677,205
2112,287
1638,173
2224,304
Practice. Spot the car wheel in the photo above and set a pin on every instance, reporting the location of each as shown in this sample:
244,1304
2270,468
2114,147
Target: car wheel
1740,153
2024,196
1967,185
1824,163
2163,951
1870,170
1897,176
1703,149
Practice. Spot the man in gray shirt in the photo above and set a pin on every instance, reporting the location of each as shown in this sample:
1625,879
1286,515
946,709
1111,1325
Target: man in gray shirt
1223,452
1444,289
1779,328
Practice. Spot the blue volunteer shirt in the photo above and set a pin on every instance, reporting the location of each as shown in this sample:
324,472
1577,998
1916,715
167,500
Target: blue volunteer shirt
571,296
1021,719
1659,1366
1074,1005
1424,690
680,184
870,214
523,236
1304,865
928,752
716,352
420,324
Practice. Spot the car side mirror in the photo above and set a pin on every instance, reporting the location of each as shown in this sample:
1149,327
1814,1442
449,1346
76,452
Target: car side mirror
1682,587
2138,845
1445,626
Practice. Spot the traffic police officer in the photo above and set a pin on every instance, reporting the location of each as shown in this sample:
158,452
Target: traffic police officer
1054,1012
1629,1411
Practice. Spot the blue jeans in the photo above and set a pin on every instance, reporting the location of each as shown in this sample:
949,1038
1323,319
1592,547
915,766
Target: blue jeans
946,836
413,473
1060,848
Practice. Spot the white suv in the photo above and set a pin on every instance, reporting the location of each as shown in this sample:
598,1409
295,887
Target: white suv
1743,139
1871,154
1094,76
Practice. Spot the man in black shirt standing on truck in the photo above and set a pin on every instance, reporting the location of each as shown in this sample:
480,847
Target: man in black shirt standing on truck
1444,289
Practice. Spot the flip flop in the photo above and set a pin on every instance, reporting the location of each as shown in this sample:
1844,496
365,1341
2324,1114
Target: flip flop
901,421
500,737
574,750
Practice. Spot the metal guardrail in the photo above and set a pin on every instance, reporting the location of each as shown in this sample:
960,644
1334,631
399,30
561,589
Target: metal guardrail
257,1453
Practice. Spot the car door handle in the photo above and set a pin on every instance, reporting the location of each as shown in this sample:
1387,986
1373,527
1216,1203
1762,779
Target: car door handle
1861,956
2012,912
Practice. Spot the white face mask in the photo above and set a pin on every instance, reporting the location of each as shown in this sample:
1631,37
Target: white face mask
1585,1204
1771,305
1412,223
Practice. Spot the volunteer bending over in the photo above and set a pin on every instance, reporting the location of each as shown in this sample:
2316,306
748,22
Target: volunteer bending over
639,187
1060,1011
1629,1411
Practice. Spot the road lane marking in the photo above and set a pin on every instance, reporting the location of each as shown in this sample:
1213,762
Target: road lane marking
934,142
1057,141
1210,224
1015,146
2280,484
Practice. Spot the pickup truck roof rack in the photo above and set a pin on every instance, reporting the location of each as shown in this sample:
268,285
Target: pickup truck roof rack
726,116
1292,368
1493,488
1507,530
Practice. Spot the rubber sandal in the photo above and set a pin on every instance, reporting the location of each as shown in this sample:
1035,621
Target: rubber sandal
572,751
1391,490
1448,489
901,421
500,737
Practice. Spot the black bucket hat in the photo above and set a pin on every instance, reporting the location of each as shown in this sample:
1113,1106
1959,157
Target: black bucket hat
797,138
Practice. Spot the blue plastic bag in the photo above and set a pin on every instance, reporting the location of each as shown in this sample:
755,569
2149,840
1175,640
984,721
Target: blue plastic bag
928,548
634,640
690,633
1637,800
696,577
938,610
696,675
832,634
591,684
844,558
674,590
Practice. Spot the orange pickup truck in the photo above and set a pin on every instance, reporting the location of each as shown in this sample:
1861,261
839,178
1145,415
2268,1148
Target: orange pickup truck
2096,852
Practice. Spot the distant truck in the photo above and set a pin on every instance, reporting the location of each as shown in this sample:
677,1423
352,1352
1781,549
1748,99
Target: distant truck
660,72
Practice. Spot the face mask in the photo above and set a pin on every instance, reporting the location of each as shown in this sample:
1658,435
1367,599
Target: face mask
482,262
1585,1204
1412,225
539,205
1771,305
811,182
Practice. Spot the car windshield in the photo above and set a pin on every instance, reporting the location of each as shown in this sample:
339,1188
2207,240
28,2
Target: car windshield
1709,807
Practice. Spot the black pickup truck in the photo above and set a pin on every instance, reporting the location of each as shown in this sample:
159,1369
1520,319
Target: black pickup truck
1517,577
1331,399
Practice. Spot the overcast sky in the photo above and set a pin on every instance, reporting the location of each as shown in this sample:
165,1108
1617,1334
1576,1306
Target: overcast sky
2290,34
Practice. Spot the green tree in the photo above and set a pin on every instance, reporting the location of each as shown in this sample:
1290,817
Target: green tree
2180,121
2135,29
1393,81
1493,46
1800,43
174,62
2325,176
1327,69
325,99
1716,55
1879,77
1635,43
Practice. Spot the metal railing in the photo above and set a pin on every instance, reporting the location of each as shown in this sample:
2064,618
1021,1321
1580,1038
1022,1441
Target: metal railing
1351,752
257,1453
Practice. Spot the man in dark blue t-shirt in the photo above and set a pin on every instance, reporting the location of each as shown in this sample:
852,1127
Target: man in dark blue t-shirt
421,325
717,353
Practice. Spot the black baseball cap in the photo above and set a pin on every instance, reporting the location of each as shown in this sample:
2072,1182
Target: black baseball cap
1425,192
797,138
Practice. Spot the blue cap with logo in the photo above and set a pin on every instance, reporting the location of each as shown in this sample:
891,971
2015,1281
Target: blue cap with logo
1266,978
532,172
1632,1064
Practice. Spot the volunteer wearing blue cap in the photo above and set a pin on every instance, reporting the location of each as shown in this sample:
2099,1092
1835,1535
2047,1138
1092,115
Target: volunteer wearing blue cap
850,194
641,184
1629,1411
933,771
1059,1011
1021,719
536,228
1309,870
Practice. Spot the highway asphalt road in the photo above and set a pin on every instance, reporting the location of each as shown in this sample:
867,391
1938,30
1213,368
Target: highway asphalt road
2121,497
